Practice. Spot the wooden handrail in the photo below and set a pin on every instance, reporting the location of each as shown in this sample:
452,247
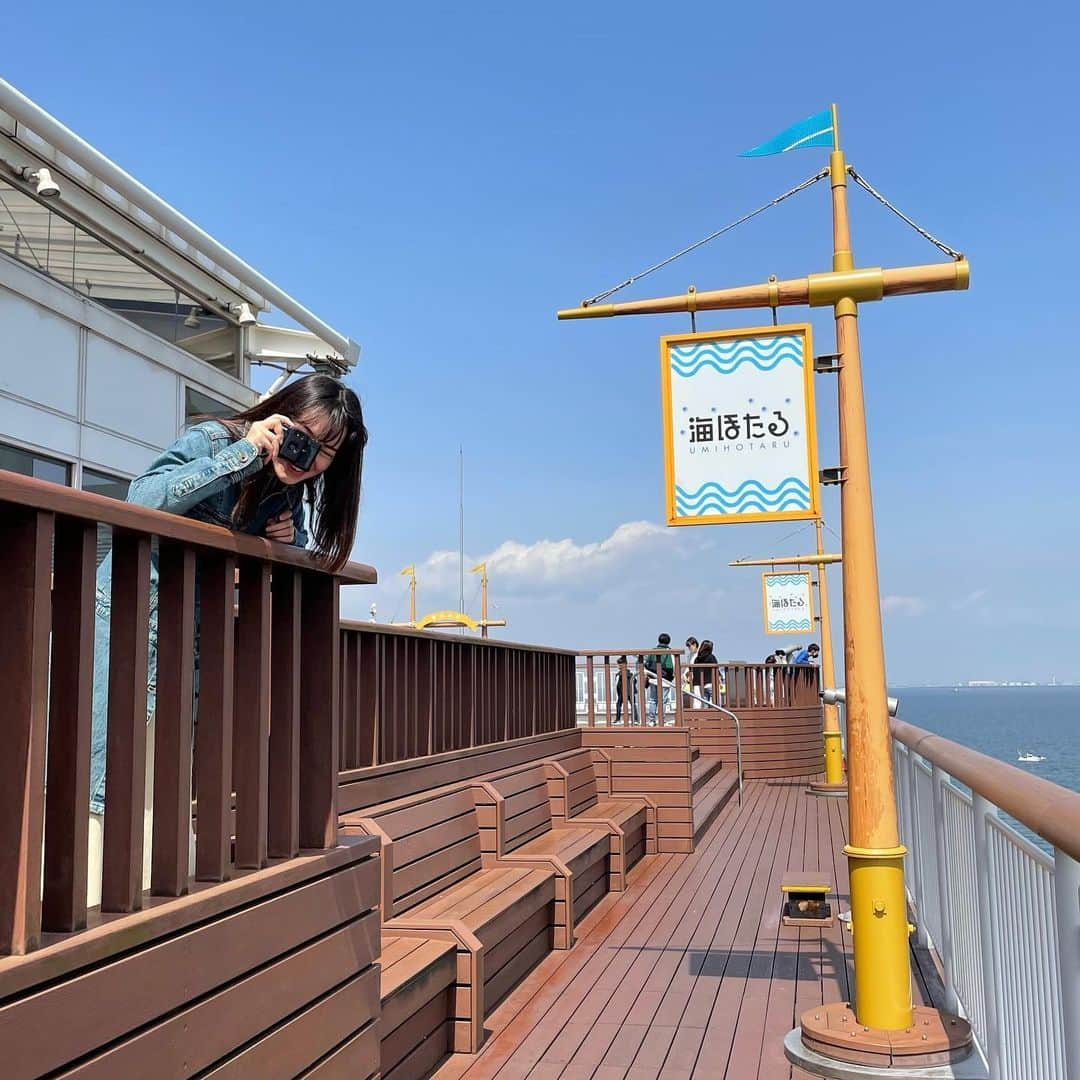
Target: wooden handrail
1046,808
411,631
57,499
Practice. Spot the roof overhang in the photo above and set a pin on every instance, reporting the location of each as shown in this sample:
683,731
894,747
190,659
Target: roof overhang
100,197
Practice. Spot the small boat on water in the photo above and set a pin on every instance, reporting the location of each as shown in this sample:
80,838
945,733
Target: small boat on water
1025,757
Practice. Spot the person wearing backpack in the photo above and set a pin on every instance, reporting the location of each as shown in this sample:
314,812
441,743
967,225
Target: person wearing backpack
662,665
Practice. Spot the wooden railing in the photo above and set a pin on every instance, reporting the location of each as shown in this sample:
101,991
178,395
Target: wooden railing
266,753
409,694
608,686
771,686
609,692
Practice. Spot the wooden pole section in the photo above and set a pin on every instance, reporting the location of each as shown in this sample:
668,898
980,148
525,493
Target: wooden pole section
875,854
817,290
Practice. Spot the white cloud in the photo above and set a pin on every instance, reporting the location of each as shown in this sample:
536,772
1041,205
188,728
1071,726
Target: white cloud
903,605
554,562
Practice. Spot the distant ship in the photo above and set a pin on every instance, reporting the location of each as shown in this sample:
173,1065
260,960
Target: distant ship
1022,756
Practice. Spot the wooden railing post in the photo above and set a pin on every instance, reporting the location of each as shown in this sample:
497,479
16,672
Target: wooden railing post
125,747
319,712
284,764
24,672
71,687
173,723
214,743
251,714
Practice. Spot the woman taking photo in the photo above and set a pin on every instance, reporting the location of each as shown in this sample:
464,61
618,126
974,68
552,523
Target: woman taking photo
231,473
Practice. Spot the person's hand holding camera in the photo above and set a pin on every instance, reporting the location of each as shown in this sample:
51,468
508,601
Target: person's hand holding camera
266,435
281,528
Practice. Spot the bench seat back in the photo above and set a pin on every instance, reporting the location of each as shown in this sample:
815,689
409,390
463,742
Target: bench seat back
576,792
431,842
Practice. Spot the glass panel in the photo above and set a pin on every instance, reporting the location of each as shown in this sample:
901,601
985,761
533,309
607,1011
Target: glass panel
27,463
35,234
115,487
199,406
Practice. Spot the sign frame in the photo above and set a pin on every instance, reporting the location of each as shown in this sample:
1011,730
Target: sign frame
672,518
797,572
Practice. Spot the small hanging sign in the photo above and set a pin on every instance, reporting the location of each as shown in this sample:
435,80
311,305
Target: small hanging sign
787,602
739,440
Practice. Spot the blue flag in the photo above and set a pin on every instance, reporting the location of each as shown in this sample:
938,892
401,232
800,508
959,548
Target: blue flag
816,130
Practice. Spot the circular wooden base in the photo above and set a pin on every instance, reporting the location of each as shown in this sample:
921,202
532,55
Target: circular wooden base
820,787
934,1038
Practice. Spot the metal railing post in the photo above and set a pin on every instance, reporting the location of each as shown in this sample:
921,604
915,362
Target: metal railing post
1067,905
922,938
989,933
945,946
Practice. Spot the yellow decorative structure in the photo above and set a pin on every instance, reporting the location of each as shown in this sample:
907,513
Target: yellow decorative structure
446,619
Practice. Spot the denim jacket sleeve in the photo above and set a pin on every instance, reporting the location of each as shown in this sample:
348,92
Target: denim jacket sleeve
188,472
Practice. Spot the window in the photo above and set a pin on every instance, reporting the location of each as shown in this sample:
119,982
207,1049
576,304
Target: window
198,406
27,463
115,487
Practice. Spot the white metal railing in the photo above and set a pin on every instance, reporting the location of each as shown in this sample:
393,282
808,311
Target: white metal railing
1002,915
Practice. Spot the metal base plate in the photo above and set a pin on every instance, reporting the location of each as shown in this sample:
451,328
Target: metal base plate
971,1068
819,787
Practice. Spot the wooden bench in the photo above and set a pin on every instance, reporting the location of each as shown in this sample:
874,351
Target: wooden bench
574,799
418,984
434,886
514,812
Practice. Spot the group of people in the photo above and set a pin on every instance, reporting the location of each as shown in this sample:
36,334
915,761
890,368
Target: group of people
800,654
700,675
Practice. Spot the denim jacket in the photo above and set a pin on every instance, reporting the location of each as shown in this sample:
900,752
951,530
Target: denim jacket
199,477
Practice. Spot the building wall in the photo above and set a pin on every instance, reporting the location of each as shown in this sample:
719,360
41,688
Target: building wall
82,384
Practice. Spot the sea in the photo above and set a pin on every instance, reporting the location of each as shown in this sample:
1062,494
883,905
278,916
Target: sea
1002,721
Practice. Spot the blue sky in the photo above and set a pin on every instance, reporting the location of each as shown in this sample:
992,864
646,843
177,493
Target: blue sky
436,180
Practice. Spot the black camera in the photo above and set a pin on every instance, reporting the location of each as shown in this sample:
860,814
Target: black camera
298,449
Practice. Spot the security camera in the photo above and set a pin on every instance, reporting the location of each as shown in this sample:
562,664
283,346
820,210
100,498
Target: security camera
45,186
244,315
192,321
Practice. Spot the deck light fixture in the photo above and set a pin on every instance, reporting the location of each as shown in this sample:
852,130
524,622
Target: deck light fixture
45,186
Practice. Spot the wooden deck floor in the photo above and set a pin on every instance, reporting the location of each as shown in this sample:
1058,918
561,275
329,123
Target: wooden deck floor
688,972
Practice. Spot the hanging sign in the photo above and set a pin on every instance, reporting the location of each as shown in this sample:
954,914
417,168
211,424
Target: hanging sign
739,442
787,603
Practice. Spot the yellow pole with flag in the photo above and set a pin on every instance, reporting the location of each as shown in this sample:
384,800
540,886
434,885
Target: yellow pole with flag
410,572
875,854
481,569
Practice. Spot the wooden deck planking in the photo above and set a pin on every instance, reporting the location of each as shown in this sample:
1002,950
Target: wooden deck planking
688,972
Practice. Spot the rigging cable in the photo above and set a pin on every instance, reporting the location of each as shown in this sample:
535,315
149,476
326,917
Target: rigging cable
810,181
871,190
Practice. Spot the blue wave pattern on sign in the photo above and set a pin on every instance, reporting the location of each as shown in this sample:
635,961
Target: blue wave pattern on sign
725,357
789,624
785,579
750,496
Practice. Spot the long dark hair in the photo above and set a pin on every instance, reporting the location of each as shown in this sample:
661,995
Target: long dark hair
333,497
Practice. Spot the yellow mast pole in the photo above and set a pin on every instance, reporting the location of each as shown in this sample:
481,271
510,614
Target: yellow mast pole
875,854
483,603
